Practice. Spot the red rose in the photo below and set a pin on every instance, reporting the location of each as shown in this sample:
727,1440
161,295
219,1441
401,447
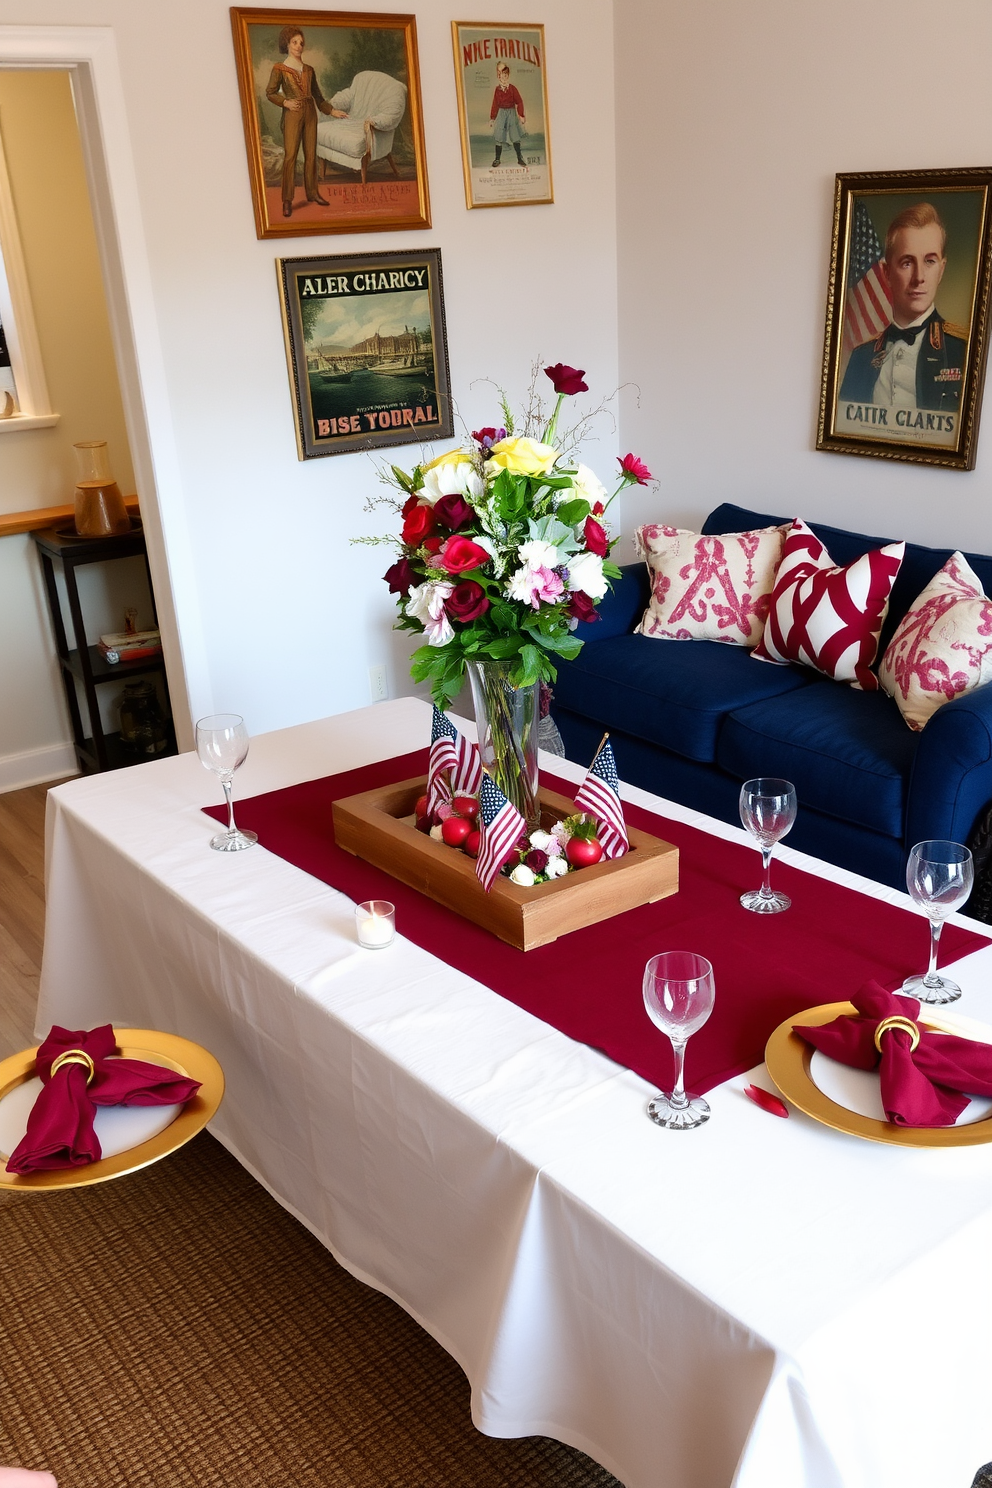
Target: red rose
536,860
408,505
453,511
566,379
595,538
461,553
634,470
419,523
581,607
433,544
401,577
467,601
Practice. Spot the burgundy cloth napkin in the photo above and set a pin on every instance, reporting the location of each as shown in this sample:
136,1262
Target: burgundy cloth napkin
921,1086
60,1127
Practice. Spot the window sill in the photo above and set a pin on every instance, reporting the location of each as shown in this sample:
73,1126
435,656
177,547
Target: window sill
28,421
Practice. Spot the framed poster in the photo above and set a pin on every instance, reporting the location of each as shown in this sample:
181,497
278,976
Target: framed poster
907,316
367,350
502,87
333,126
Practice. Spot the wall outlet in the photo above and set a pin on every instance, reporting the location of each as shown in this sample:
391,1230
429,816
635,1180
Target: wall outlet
378,690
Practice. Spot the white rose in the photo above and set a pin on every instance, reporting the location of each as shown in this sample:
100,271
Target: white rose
586,483
523,876
557,867
585,572
452,479
541,840
539,554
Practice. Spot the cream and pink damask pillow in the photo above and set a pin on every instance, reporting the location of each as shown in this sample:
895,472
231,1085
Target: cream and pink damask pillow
708,588
943,646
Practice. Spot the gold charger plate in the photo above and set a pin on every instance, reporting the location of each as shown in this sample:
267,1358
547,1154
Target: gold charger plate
155,1047
787,1057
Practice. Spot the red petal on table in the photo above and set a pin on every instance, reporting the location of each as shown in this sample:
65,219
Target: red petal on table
766,1100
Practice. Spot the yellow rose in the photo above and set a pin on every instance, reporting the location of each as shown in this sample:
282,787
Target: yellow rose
450,457
523,456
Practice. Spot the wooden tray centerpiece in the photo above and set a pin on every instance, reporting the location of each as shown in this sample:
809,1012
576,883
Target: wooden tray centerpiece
378,825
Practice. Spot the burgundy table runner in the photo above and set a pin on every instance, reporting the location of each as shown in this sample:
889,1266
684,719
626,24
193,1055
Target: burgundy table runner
588,984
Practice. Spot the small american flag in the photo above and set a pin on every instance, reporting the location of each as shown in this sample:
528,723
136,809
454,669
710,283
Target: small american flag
869,306
454,767
599,794
501,826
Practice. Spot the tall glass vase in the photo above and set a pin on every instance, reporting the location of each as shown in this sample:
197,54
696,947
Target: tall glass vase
507,720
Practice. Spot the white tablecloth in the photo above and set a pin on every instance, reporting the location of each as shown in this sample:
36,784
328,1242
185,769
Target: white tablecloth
761,1303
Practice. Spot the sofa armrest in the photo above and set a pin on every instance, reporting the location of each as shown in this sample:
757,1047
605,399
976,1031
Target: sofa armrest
622,607
952,774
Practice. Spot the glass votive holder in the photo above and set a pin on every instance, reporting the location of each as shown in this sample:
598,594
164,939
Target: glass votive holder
375,923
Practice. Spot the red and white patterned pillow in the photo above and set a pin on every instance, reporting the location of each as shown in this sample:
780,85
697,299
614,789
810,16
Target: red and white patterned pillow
943,646
825,616
708,588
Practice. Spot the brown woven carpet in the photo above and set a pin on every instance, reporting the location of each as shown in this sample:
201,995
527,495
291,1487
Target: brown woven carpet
177,1328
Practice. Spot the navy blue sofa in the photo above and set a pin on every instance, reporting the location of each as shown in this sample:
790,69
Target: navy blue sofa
691,720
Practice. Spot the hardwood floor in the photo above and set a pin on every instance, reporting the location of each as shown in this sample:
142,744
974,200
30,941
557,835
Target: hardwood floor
22,912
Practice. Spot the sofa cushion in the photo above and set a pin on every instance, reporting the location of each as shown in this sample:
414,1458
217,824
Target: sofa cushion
918,566
713,588
672,693
826,615
943,646
848,753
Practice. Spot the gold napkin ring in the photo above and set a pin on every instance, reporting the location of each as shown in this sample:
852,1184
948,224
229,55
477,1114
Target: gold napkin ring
906,1024
74,1056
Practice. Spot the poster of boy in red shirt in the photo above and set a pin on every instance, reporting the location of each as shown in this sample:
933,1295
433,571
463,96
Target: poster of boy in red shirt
501,82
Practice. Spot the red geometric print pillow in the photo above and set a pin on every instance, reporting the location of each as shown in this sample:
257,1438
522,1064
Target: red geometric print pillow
943,646
828,617
708,588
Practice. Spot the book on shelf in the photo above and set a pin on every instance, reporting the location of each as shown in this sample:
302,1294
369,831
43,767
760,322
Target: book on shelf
129,646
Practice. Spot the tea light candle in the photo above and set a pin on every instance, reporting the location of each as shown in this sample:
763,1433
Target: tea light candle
375,921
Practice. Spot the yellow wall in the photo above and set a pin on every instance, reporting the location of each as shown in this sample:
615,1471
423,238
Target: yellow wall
48,184
37,468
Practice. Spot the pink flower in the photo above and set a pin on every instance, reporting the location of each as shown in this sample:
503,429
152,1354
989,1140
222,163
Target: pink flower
566,380
634,470
546,586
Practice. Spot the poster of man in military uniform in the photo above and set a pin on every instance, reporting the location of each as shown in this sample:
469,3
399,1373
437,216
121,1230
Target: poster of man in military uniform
902,363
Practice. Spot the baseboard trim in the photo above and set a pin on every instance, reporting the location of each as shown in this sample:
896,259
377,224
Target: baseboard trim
35,766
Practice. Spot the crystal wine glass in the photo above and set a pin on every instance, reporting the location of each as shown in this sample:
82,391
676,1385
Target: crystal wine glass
222,745
939,876
678,996
768,811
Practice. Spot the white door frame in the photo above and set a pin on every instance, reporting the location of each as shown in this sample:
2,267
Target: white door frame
89,55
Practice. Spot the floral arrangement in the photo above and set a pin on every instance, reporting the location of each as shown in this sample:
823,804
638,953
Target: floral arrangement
538,856
504,548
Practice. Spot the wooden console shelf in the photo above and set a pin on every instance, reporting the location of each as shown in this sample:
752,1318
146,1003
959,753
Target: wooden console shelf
47,516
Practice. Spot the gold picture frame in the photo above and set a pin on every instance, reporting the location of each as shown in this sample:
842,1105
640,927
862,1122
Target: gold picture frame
905,346
347,105
501,80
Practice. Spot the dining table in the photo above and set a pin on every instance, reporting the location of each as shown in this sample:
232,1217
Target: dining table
757,1303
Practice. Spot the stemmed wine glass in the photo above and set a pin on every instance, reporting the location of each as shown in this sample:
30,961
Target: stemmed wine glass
939,876
222,745
768,811
678,996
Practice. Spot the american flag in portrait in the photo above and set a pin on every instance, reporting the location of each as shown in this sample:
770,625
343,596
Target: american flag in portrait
501,826
599,794
454,767
869,307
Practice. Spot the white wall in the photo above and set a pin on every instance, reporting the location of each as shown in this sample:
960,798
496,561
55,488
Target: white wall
292,616
732,121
